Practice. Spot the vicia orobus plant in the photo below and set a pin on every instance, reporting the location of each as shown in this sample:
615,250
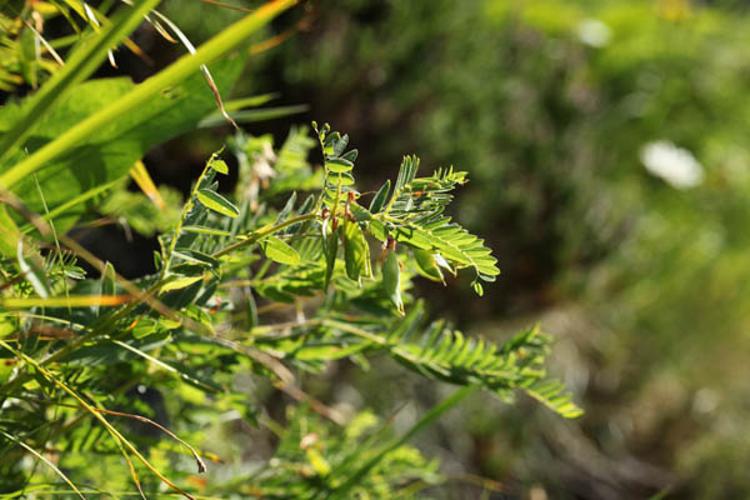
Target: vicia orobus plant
115,387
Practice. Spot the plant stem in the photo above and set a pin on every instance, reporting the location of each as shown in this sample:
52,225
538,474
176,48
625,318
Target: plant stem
261,233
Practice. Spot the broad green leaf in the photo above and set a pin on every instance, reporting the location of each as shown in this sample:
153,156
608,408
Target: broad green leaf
220,45
83,61
279,251
111,151
217,203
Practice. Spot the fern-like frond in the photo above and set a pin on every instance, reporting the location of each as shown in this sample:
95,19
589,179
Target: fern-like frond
450,356
420,198
553,394
444,237
435,351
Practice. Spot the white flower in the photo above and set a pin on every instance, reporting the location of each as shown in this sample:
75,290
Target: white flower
677,166
594,33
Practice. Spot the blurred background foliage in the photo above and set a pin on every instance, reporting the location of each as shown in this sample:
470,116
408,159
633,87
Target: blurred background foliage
607,144
557,108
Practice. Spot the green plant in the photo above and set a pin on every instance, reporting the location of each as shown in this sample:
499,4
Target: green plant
111,386
551,104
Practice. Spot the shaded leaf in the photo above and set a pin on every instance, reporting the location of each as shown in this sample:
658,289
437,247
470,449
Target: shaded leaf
378,201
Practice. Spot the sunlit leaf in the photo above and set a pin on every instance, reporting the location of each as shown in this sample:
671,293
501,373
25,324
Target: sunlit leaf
217,203
180,283
279,251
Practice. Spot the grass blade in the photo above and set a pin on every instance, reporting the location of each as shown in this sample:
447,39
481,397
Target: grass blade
46,461
82,63
181,69
71,301
424,422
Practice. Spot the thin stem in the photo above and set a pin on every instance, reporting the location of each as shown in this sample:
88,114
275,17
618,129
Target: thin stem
261,233
120,440
46,461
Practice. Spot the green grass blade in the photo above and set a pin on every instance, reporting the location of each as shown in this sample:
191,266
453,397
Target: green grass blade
46,461
82,63
181,69
427,419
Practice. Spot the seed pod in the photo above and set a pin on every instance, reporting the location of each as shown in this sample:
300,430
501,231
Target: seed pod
427,265
330,248
356,252
392,281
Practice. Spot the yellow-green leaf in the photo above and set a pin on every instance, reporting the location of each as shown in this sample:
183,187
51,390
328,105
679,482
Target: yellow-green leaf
71,301
219,165
217,203
339,165
279,251
180,283
9,234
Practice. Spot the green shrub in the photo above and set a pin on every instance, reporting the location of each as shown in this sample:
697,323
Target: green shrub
552,104
111,386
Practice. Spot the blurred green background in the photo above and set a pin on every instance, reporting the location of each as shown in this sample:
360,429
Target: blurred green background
607,142
557,108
